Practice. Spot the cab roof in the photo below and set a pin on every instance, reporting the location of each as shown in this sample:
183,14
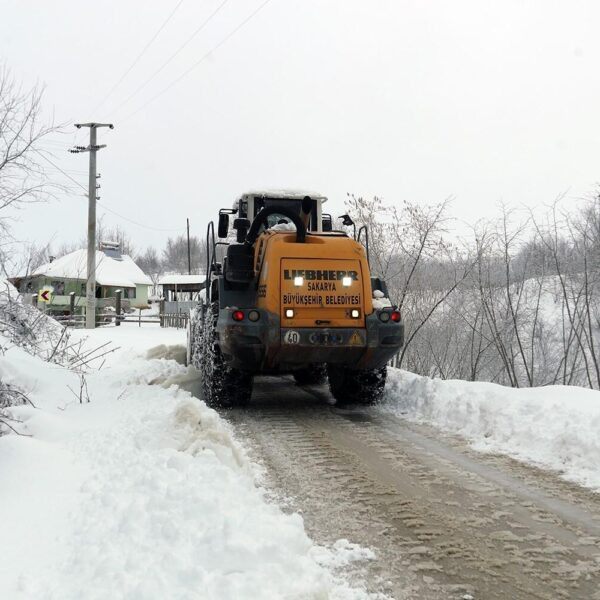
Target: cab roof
284,194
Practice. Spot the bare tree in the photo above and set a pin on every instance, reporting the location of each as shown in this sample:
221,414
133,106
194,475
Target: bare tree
151,264
117,234
22,176
175,255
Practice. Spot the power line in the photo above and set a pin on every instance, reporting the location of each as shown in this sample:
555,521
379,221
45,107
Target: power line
202,59
170,59
59,169
101,205
135,62
72,171
86,191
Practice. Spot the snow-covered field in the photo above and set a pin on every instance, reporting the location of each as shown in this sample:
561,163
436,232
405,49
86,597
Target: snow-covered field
553,427
143,492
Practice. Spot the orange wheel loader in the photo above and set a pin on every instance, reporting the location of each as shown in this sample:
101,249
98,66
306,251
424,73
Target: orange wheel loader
291,296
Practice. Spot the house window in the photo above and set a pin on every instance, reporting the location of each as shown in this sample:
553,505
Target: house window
82,289
59,287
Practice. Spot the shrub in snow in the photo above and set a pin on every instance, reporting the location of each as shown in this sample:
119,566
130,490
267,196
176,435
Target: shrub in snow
24,326
10,396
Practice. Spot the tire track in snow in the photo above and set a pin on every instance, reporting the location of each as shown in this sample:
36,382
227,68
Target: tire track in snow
443,520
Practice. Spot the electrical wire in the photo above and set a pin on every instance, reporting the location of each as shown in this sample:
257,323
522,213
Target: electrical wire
201,59
102,206
172,57
59,169
138,58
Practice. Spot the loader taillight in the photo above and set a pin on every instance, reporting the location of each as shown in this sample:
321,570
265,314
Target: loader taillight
395,316
238,315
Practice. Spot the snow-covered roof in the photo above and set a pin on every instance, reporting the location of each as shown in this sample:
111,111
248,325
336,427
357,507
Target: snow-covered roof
177,279
119,272
286,194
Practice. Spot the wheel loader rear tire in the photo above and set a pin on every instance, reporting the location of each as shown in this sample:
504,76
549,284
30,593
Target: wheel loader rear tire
222,385
356,387
313,375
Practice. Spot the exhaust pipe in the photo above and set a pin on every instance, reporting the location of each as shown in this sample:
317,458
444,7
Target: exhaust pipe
305,211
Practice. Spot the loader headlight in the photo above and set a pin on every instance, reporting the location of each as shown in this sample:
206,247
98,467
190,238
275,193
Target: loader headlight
298,281
355,313
346,281
289,313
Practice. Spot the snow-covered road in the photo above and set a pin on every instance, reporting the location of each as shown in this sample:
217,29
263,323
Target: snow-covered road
444,521
145,493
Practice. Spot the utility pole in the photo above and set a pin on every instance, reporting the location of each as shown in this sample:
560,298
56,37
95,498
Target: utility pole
90,288
189,253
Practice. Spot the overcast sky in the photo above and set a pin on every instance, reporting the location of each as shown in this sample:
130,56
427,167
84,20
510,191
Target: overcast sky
483,101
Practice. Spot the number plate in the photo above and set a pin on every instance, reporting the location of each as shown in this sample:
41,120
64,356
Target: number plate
325,338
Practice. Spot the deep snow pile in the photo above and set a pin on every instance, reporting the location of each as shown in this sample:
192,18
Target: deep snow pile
142,493
23,325
556,427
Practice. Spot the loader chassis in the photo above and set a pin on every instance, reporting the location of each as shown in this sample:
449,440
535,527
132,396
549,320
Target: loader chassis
298,302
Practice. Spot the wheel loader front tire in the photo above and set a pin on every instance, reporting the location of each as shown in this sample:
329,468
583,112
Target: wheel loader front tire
356,387
222,385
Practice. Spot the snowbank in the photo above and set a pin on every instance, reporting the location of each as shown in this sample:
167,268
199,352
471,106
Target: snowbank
556,427
143,492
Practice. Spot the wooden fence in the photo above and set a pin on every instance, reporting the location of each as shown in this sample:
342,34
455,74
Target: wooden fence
172,318
178,320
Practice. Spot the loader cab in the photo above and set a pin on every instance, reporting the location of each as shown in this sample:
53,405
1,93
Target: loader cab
250,204
296,207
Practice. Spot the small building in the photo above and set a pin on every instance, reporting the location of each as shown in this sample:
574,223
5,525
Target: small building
181,288
67,274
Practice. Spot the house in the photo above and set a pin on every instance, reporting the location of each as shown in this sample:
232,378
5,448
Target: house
68,274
